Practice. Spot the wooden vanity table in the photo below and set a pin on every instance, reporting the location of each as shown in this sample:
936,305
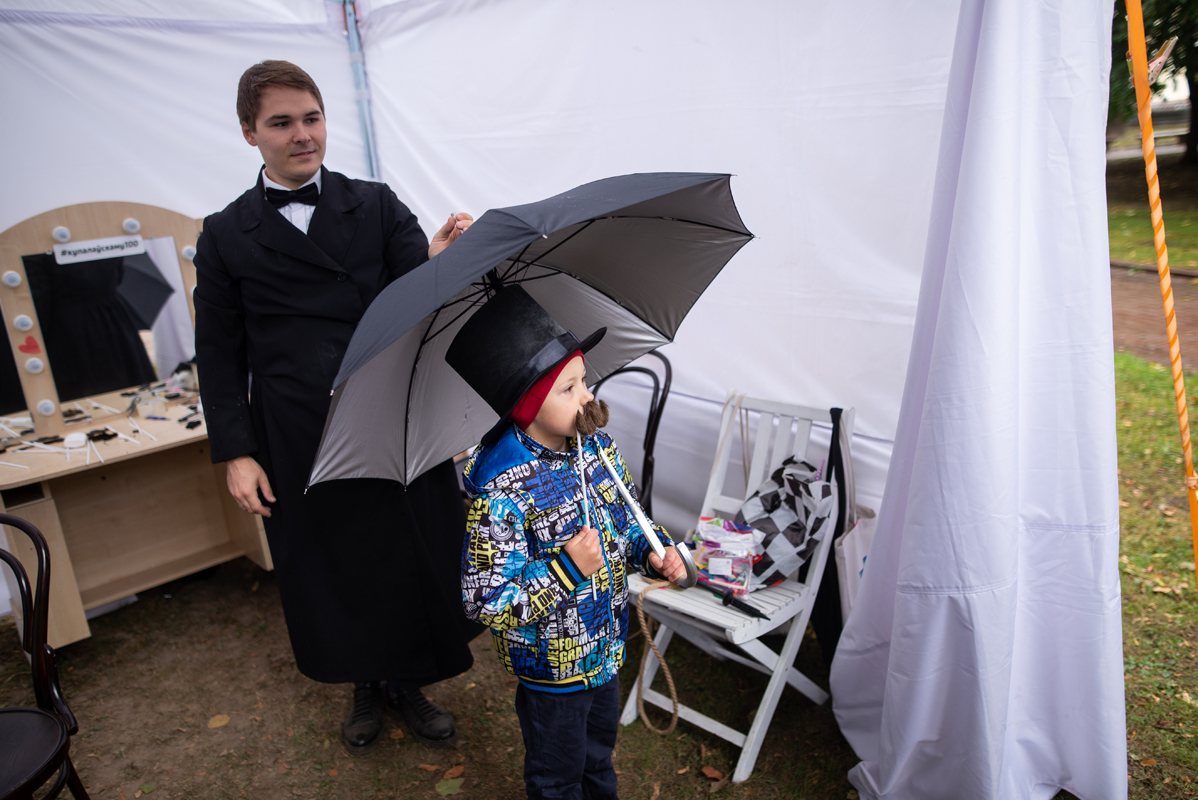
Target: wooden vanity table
152,511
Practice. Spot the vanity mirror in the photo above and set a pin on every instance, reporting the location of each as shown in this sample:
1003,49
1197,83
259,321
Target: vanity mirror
126,501
82,290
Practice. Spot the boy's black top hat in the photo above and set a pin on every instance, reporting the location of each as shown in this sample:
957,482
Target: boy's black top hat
507,346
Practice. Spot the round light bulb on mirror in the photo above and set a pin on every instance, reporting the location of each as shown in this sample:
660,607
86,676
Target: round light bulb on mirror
61,234
11,279
189,252
22,322
131,225
34,365
46,407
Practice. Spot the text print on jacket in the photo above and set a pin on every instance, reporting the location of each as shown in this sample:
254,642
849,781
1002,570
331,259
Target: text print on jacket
553,629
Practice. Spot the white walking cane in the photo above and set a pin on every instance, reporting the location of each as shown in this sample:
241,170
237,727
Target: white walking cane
692,574
586,508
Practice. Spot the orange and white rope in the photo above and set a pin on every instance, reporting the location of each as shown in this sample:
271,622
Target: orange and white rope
1139,64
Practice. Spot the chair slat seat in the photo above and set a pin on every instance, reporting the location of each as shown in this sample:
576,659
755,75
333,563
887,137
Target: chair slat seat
779,603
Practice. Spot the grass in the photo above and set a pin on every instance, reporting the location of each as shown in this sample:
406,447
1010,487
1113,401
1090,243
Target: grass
1160,609
1129,224
1131,235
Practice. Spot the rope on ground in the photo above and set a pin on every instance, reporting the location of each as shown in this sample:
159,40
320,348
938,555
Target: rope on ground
640,683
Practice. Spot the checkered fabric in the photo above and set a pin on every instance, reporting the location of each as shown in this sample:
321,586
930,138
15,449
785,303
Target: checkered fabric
793,509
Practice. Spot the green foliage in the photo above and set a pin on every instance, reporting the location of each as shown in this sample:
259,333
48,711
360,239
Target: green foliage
1163,19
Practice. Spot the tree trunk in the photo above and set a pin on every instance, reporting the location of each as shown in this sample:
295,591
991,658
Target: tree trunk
1191,154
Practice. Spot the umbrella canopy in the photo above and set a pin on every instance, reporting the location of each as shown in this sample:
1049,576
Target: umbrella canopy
631,253
143,289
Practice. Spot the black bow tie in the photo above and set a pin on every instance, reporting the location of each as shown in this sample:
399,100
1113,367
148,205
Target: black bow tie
307,194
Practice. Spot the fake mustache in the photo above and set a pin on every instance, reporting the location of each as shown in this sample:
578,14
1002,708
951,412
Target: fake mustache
594,415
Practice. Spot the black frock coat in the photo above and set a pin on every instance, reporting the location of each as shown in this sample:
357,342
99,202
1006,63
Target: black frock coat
368,570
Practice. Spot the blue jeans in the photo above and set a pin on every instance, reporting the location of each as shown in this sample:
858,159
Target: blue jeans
568,739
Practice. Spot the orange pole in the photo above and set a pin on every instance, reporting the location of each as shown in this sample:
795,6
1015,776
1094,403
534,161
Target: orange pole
1139,71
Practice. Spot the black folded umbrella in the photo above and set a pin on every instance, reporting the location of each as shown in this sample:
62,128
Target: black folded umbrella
143,290
631,253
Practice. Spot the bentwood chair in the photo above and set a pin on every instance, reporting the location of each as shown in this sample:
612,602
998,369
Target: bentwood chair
35,743
657,403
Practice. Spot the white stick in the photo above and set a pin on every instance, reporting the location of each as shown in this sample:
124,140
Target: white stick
10,464
641,519
10,430
109,409
586,507
123,436
140,429
582,479
94,450
47,447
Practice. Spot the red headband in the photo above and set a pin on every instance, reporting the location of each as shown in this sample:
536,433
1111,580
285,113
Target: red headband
529,406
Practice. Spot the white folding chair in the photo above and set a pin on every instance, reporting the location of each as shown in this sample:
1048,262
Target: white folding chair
724,632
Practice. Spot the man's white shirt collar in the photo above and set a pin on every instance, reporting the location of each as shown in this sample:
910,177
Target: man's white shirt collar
267,183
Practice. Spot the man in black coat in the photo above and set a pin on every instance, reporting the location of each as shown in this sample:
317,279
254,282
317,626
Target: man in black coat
368,570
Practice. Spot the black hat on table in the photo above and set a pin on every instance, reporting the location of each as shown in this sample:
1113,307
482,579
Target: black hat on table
507,346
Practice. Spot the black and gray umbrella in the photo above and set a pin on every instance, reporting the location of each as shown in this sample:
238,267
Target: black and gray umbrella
632,253
143,289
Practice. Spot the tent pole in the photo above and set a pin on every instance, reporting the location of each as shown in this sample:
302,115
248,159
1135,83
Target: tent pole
1139,63
358,62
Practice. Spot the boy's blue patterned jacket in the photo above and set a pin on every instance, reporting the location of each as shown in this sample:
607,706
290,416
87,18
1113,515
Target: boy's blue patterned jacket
553,629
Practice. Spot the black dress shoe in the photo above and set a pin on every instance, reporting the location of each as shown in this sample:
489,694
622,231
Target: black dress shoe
363,727
430,723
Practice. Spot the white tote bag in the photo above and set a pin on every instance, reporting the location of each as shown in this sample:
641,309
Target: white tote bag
852,552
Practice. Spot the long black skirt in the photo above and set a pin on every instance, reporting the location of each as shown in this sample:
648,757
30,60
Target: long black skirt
369,574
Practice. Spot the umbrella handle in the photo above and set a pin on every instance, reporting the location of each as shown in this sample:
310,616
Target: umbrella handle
692,573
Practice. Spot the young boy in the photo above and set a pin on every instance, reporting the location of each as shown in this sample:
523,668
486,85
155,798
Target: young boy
552,590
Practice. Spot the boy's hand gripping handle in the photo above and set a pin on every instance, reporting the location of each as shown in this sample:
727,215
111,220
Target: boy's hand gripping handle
692,574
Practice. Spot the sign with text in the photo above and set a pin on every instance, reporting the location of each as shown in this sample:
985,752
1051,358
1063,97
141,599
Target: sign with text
95,249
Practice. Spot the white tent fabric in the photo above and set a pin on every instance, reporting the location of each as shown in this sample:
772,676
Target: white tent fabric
829,125
830,115
983,655
133,103
834,161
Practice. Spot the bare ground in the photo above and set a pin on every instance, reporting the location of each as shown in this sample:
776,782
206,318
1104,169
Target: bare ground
1139,320
157,674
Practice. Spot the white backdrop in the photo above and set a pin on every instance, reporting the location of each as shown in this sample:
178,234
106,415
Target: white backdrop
829,114
829,125
983,656
124,101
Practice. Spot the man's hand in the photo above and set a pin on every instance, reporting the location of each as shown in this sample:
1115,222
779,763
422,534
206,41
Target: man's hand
245,477
672,568
454,227
586,550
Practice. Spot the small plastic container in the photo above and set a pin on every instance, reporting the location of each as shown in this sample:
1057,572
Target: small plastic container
728,566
